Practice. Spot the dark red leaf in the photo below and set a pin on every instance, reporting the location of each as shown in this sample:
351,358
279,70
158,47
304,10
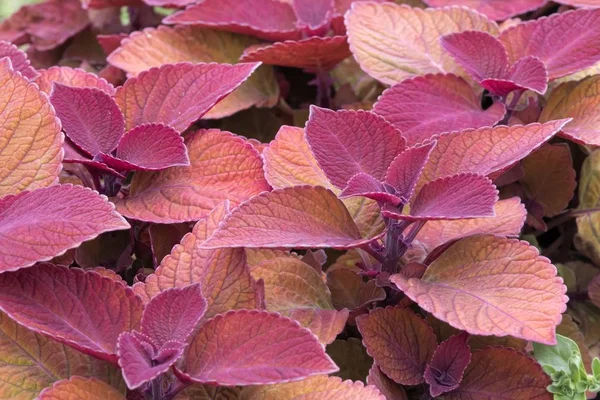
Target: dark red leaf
445,370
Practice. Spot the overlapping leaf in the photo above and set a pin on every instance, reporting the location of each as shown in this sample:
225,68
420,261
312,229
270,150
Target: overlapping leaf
262,348
315,53
222,167
580,101
445,371
81,389
490,300
31,155
30,219
495,9
324,324
315,388
400,342
165,45
72,77
392,42
313,15
81,309
389,388
425,106
177,95
348,290
576,31
18,59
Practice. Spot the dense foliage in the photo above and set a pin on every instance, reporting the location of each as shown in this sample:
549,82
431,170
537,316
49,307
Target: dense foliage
300,199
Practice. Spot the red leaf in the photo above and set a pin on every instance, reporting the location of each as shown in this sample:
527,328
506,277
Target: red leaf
20,62
262,348
177,95
149,147
400,342
390,389
294,217
324,324
498,10
81,309
365,185
313,14
404,172
346,143
496,373
267,19
315,53
454,197
72,77
576,31
489,285
445,370
44,223
90,118
428,105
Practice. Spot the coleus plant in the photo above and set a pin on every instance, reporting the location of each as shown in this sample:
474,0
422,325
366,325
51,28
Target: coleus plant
147,252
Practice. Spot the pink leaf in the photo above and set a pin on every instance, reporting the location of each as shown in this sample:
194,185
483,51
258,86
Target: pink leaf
313,14
72,77
447,366
365,185
404,172
44,223
90,118
529,73
346,143
261,348
149,147
179,94
294,217
267,19
81,309
425,106
565,42
20,62
455,197
498,10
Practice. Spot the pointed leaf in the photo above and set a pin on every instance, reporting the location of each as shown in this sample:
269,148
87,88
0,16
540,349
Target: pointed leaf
497,10
90,118
222,167
296,217
316,388
20,62
165,45
313,14
455,197
393,42
390,389
78,388
508,220
30,156
223,273
527,73
489,285
315,53
496,148
365,185
581,101
44,223
324,324
446,368
348,142
72,77
262,348
550,177
266,19
576,31
149,147
81,309
404,172
502,373
177,95
400,342
425,106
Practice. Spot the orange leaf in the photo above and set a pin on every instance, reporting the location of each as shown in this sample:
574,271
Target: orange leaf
74,77
324,324
222,167
31,150
78,388
165,45
489,285
393,42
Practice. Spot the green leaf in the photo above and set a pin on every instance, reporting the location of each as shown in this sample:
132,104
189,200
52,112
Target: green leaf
559,355
596,368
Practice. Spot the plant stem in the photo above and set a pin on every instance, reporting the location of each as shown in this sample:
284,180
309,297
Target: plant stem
157,393
510,108
323,81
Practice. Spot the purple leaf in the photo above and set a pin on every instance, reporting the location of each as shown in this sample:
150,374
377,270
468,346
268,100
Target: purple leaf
90,118
404,172
20,62
447,366
365,185
313,14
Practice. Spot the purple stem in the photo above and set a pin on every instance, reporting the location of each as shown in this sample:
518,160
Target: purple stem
323,81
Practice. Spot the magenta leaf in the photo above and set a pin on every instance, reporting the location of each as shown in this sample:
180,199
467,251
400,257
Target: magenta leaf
347,142
44,223
20,62
527,73
455,197
267,19
425,106
498,10
81,309
404,172
149,147
179,94
365,185
447,366
313,14
261,348
90,118
168,320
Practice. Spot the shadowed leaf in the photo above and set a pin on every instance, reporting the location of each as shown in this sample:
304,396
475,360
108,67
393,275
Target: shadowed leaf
78,388
390,389
445,371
